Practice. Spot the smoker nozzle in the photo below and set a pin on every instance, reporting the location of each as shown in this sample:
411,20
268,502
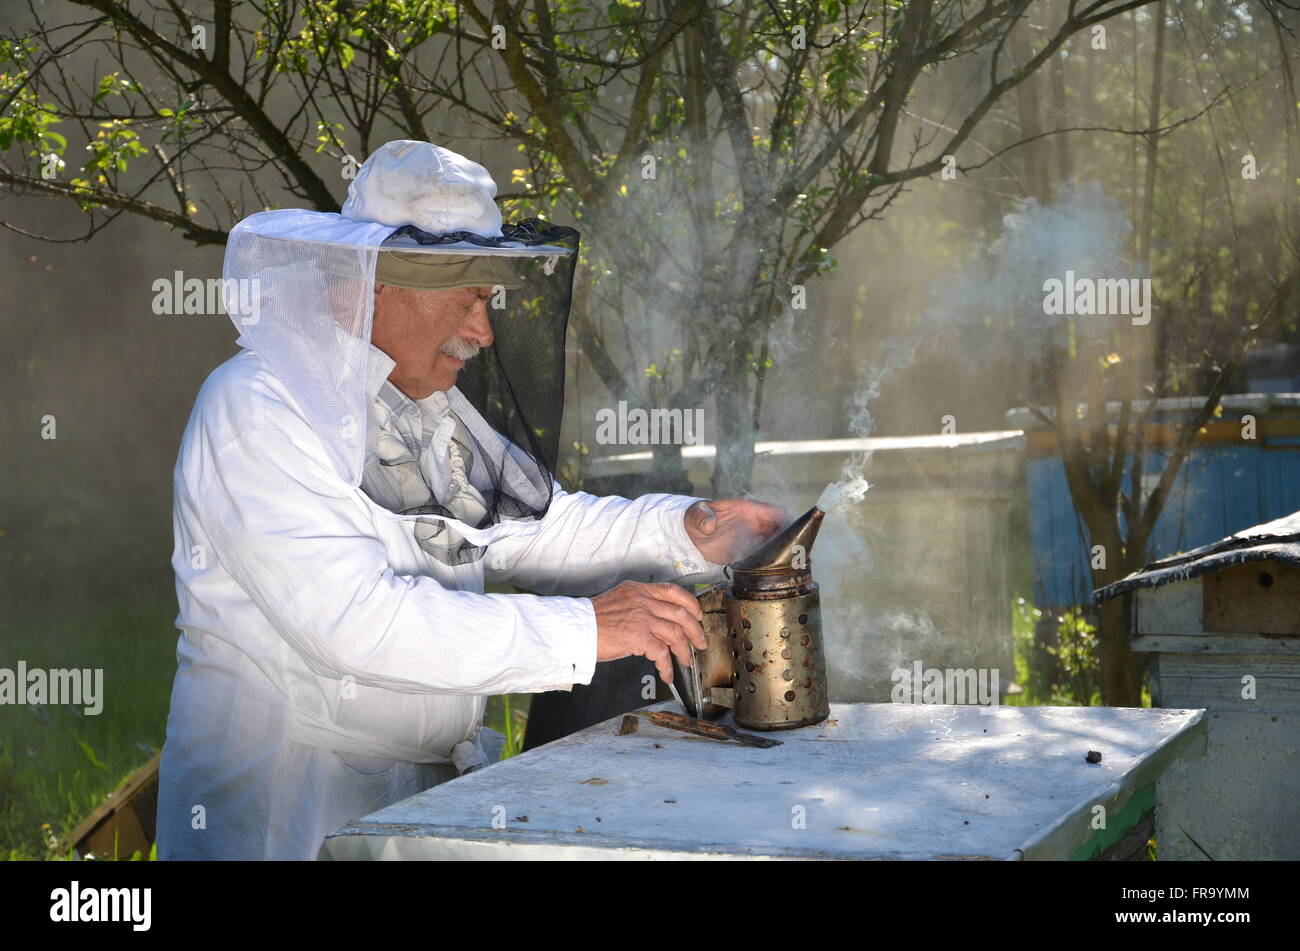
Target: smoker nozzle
788,548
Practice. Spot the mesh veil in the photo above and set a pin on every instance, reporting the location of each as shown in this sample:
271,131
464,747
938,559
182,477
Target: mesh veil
305,304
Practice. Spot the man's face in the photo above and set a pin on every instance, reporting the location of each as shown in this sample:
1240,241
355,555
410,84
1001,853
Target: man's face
430,334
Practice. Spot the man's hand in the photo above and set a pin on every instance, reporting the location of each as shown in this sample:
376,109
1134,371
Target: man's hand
726,529
648,620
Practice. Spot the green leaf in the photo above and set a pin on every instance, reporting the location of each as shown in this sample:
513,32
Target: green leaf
108,85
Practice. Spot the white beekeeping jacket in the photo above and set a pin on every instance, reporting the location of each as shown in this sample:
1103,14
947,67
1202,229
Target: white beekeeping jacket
336,656
327,664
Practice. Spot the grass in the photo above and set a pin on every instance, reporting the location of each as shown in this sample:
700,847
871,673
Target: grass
56,763
508,715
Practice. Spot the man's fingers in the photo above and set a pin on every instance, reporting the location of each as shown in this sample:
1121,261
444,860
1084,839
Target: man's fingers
683,618
665,670
656,621
674,638
767,522
769,517
667,591
657,652
706,520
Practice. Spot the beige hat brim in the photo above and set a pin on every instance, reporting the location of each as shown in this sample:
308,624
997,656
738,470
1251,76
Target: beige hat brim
437,272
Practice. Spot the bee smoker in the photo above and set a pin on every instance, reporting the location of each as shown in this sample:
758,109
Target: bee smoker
765,658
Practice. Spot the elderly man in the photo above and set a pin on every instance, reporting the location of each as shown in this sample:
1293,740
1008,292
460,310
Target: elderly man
342,493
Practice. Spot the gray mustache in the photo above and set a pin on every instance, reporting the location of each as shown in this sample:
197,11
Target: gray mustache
460,349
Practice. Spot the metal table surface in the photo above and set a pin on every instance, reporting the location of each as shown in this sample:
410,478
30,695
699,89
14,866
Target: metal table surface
875,781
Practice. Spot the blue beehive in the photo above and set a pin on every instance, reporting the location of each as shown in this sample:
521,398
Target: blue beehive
1229,482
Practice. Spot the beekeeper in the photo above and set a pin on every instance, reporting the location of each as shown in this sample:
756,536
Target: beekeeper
382,445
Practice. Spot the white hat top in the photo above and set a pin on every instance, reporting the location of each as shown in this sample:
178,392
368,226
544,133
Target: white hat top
311,277
406,182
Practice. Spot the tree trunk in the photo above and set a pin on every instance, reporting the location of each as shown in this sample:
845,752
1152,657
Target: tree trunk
1060,107
669,471
1121,670
1121,684
1153,140
733,467
1029,112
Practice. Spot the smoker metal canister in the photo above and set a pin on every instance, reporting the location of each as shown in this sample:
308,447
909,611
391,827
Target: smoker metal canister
774,632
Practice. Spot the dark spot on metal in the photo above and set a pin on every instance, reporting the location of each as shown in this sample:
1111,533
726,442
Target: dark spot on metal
789,695
803,619
749,645
749,666
1265,579
750,686
744,622
1093,756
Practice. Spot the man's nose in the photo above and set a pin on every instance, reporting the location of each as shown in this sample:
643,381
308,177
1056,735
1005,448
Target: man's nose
478,328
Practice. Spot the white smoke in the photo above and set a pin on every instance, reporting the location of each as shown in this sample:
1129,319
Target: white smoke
997,300
875,624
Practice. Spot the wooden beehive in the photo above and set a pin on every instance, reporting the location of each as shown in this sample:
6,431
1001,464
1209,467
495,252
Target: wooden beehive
1221,626
126,821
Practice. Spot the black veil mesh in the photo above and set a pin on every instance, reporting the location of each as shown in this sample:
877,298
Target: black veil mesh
516,385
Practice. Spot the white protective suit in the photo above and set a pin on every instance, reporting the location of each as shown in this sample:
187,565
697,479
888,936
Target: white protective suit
327,664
